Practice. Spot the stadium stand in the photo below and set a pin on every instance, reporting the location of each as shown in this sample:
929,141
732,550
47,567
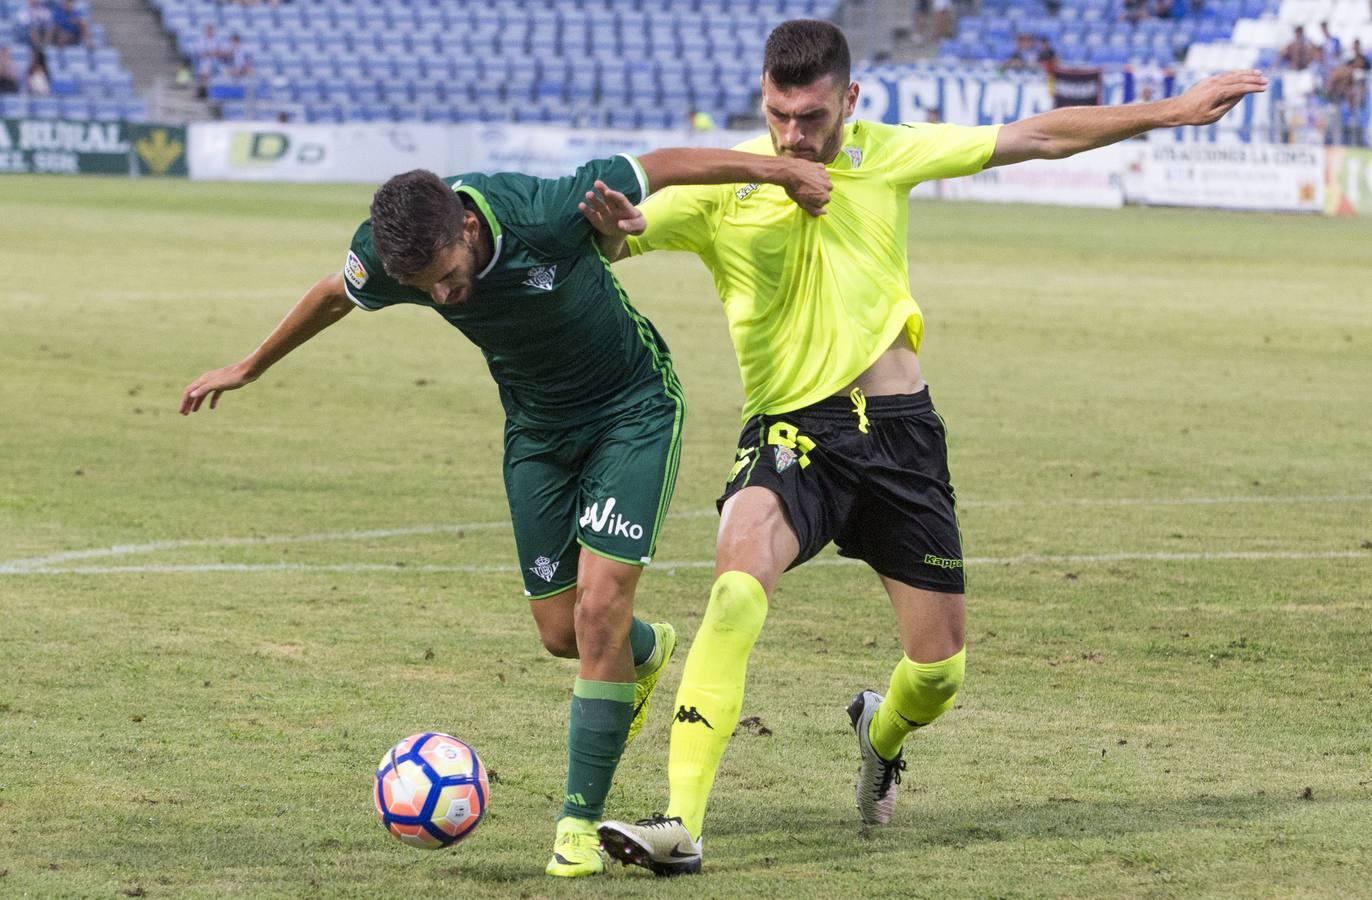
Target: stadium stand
621,63
1107,33
1258,40
86,82
1325,102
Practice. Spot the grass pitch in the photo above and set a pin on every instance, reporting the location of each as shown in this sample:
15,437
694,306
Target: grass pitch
211,628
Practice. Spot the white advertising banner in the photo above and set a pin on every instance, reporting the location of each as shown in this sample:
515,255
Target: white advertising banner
265,151
1234,176
1087,179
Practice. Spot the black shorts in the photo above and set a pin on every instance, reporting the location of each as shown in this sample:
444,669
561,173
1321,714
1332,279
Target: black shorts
882,494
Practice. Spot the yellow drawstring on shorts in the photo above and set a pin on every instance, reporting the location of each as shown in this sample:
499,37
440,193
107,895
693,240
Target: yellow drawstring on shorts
860,407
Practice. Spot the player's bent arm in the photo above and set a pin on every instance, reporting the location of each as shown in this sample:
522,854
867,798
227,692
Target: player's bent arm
1063,132
805,181
322,305
614,217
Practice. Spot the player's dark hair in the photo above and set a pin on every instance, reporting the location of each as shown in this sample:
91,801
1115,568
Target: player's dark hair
802,51
415,216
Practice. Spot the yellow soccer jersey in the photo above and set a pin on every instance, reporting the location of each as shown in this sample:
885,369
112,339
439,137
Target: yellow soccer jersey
812,302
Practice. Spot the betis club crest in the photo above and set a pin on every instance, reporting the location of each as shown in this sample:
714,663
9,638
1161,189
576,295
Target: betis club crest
544,568
785,458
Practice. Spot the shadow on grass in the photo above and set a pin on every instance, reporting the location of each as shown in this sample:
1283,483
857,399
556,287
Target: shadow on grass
756,836
789,841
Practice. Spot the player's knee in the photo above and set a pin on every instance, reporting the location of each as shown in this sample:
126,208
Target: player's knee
942,685
936,684
560,643
737,603
602,623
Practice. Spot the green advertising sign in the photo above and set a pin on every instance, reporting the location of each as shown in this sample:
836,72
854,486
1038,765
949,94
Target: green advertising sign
1348,182
60,147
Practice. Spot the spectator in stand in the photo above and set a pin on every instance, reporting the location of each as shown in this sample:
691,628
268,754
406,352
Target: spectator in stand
1359,60
209,53
240,58
37,79
9,76
1025,57
699,121
934,18
35,24
1134,11
1332,46
70,26
1347,83
1048,57
1301,52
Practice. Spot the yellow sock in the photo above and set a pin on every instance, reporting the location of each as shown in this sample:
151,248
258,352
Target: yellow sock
919,694
711,693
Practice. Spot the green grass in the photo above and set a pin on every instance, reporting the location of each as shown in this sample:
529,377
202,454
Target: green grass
1130,395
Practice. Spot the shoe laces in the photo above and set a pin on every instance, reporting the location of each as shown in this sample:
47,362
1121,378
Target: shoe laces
578,839
658,820
890,774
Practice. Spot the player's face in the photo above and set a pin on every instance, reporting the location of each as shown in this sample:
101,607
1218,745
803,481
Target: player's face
450,276
807,122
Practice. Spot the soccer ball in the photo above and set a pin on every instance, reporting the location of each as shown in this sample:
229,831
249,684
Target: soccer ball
431,790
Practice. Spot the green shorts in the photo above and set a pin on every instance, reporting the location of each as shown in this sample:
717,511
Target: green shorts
604,485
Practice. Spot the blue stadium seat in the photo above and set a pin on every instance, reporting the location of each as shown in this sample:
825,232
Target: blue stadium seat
225,90
14,106
75,108
45,108
323,112
106,110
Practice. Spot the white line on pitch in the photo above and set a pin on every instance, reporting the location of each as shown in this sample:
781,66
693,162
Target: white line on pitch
37,562
1074,559
1169,501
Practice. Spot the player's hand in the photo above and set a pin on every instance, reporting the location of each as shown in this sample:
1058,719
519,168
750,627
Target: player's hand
212,384
1207,101
808,184
611,213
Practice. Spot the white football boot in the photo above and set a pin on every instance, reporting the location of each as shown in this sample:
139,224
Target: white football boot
659,844
877,777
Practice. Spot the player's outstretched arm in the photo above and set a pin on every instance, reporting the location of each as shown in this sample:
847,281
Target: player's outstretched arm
1073,129
322,305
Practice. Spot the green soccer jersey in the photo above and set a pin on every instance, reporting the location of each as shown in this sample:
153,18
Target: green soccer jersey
556,329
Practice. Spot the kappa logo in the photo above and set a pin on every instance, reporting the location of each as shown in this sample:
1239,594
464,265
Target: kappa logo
692,716
544,568
541,277
354,271
786,457
743,192
609,522
854,154
942,562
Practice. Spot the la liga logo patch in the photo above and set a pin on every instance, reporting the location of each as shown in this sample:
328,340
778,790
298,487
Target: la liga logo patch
354,271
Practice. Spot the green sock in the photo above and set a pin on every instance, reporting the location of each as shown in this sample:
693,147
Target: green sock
642,641
601,712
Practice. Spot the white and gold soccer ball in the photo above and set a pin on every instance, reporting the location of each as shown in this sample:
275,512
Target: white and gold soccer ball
431,790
